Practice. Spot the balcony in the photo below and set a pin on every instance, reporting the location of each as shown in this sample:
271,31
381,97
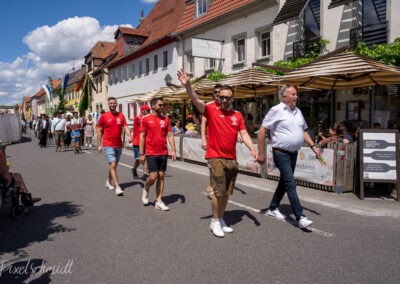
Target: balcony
303,47
371,34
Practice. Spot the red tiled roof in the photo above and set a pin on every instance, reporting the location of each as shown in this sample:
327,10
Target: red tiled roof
162,20
56,83
217,8
130,31
160,23
27,99
101,49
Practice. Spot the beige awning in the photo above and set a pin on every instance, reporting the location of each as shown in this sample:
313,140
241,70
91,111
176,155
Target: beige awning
344,70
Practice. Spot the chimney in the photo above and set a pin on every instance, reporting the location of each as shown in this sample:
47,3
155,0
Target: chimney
141,16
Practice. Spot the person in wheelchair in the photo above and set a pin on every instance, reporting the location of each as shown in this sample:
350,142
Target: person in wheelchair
14,180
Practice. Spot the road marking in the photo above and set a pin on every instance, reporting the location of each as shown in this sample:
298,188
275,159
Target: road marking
294,223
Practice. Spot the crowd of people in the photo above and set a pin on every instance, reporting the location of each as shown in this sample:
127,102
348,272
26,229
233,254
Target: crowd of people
64,129
220,127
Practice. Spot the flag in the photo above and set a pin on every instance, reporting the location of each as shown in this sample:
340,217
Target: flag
64,89
85,97
29,114
47,90
80,84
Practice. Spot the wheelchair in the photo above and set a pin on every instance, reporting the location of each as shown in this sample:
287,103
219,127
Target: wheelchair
18,200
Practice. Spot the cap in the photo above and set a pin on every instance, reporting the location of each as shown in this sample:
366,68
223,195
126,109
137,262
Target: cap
144,107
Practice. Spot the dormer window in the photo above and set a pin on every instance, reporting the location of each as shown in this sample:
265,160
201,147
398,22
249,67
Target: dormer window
202,7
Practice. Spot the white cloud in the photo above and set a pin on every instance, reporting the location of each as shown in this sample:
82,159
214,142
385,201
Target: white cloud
54,50
149,1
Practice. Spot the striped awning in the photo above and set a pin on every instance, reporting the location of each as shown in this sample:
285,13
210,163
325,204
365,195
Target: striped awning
341,71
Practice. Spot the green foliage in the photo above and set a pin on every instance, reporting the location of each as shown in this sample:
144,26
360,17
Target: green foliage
61,105
388,53
217,76
316,49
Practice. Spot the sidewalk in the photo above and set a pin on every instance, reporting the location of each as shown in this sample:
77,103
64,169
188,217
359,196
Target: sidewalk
349,202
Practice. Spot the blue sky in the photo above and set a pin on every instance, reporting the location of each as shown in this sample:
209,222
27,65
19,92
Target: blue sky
42,38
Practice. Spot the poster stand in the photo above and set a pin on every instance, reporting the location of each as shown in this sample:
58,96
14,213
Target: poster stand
379,158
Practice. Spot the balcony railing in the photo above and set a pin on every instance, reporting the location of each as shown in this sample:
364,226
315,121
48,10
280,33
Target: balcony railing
371,34
303,47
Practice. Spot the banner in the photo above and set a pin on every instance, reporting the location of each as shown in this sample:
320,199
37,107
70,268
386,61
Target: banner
308,167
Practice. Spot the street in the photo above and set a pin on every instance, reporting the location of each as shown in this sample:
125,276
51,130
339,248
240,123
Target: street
82,232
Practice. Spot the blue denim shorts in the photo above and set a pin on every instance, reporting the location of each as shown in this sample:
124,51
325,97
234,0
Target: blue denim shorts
136,152
112,154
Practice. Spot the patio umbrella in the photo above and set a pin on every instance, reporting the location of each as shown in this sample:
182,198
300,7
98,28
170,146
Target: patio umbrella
343,70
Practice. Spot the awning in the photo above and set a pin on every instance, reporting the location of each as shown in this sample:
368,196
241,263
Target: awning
343,70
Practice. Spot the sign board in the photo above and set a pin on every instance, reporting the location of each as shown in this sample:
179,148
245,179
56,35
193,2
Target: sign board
379,157
206,48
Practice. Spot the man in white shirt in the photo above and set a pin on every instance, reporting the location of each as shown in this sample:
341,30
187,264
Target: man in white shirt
58,129
287,129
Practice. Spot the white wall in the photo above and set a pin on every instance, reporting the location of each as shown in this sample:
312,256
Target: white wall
127,89
244,25
330,23
393,8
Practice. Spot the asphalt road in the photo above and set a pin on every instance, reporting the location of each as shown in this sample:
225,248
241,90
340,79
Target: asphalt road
82,233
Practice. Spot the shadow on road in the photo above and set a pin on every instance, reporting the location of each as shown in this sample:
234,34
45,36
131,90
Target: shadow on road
36,226
127,185
233,217
21,271
173,198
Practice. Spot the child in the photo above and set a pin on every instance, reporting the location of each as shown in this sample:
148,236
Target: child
75,134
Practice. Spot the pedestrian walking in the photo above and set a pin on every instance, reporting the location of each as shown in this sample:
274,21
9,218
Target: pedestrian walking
75,138
58,130
109,131
137,122
43,128
89,131
288,131
224,124
77,123
153,137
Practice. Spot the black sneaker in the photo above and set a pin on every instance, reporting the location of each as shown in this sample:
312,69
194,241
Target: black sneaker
144,177
134,173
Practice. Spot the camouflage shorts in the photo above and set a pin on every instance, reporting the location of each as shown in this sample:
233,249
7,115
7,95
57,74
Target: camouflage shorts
223,174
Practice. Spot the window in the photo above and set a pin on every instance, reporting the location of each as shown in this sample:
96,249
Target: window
101,84
189,63
110,79
140,68
202,7
165,59
265,44
147,65
211,63
133,71
240,50
155,62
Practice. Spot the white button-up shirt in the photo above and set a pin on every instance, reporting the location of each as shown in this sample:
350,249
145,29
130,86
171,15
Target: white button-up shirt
286,127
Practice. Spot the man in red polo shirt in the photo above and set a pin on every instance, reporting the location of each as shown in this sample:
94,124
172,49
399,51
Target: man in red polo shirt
109,132
224,124
153,136
137,122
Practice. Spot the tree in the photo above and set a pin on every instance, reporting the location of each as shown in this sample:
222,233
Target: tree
388,53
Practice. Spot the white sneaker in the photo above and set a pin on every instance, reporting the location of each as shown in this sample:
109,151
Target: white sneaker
118,191
161,205
225,227
277,214
216,229
86,145
90,145
145,197
109,185
304,222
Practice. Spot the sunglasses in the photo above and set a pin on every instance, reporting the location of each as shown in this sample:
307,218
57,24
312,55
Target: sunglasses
160,105
216,92
224,98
